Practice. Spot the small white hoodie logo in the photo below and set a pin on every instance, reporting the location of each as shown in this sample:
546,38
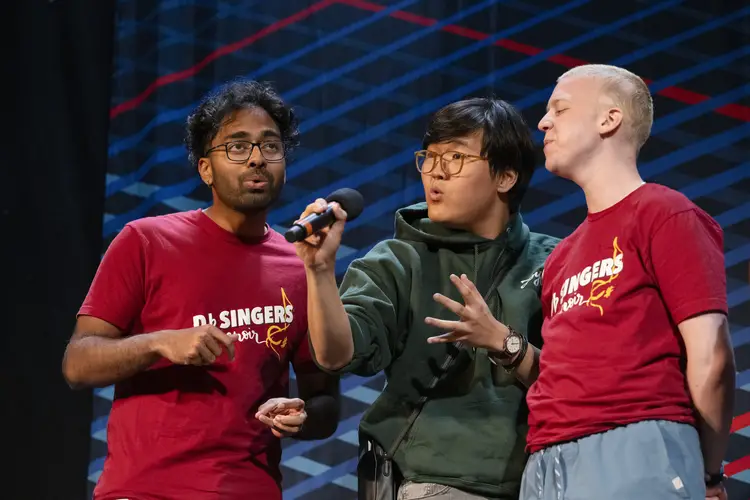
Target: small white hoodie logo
534,278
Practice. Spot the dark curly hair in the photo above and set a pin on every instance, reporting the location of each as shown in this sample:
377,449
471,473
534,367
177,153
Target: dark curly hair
506,141
204,123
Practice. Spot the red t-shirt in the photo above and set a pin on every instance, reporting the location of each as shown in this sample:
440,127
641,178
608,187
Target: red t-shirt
613,294
179,431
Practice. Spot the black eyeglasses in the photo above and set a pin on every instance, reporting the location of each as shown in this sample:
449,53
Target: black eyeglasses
240,151
451,162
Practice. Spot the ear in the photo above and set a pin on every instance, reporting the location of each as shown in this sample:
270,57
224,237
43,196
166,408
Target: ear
610,121
506,180
205,171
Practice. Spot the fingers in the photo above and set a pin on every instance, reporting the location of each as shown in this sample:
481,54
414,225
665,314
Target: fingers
265,419
444,324
339,212
445,338
291,404
227,340
282,424
206,357
450,304
289,422
465,286
316,207
213,346
267,407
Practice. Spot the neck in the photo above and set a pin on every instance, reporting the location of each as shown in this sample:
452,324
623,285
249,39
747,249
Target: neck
246,227
491,227
607,180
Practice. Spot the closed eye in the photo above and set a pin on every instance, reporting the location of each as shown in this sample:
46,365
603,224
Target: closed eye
560,111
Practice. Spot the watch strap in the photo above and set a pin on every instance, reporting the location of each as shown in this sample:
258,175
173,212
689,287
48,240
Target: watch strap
516,360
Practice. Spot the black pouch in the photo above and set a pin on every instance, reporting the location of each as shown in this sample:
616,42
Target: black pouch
378,475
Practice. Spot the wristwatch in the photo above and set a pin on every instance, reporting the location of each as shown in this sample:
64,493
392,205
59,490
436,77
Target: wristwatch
514,350
715,479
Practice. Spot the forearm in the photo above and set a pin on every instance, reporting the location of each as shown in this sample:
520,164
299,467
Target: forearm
528,371
322,417
95,361
712,391
328,323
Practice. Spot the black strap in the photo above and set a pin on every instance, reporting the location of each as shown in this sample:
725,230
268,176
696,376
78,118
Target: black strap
447,363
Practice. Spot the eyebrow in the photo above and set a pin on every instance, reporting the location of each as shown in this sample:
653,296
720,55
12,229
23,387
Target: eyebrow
460,141
243,134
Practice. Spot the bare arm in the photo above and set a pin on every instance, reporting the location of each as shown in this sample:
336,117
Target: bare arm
528,371
320,392
328,323
711,381
99,355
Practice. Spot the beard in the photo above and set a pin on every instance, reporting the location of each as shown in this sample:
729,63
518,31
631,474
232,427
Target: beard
247,200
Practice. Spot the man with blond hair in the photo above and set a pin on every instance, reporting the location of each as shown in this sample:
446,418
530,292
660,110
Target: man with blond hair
632,396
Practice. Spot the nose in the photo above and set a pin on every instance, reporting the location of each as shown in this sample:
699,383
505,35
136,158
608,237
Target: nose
256,159
438,172
545,123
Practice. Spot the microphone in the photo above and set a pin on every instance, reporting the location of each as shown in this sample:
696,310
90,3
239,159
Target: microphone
349,199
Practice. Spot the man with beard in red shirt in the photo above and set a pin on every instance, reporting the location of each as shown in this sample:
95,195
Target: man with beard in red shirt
196,316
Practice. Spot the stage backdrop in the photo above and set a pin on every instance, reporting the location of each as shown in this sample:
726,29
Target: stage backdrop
365,75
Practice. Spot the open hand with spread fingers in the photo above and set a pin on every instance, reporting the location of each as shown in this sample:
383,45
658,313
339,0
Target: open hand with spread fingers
283,415
476,327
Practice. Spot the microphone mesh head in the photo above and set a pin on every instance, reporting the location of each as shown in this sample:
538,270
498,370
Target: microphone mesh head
350,200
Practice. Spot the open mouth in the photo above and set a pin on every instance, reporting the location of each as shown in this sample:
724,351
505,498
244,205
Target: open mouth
255,183
435,194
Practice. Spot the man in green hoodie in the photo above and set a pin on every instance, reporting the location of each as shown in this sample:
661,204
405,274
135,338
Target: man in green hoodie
467,436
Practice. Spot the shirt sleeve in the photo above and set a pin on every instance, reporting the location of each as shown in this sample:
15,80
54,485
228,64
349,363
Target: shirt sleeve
687,258
116,294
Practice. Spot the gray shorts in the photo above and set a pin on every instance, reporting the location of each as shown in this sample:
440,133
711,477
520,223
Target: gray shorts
650,460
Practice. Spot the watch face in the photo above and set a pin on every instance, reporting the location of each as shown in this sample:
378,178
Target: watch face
513,344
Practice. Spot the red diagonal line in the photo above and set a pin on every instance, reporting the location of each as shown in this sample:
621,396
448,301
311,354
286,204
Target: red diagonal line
737,466
740,422
221,51
684,96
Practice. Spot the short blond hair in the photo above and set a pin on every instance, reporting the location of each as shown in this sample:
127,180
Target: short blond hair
629,92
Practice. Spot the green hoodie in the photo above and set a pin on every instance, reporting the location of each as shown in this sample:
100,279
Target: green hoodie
471,433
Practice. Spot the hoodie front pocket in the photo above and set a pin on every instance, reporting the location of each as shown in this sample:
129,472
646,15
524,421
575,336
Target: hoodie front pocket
473,442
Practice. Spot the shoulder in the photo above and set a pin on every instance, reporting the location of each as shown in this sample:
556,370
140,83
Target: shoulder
659,204
164,223
389,261
389,251
542,244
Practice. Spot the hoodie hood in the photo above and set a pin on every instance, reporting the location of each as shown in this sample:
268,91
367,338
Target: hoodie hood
413,224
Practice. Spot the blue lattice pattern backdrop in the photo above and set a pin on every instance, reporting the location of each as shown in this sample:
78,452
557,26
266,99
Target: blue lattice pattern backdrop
364,76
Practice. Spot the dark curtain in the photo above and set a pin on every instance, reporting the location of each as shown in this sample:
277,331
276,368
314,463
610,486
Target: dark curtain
55,135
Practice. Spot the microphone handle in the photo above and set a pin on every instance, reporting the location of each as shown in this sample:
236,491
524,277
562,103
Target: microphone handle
310,225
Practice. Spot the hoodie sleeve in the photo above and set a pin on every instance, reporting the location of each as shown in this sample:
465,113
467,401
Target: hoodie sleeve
375,293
